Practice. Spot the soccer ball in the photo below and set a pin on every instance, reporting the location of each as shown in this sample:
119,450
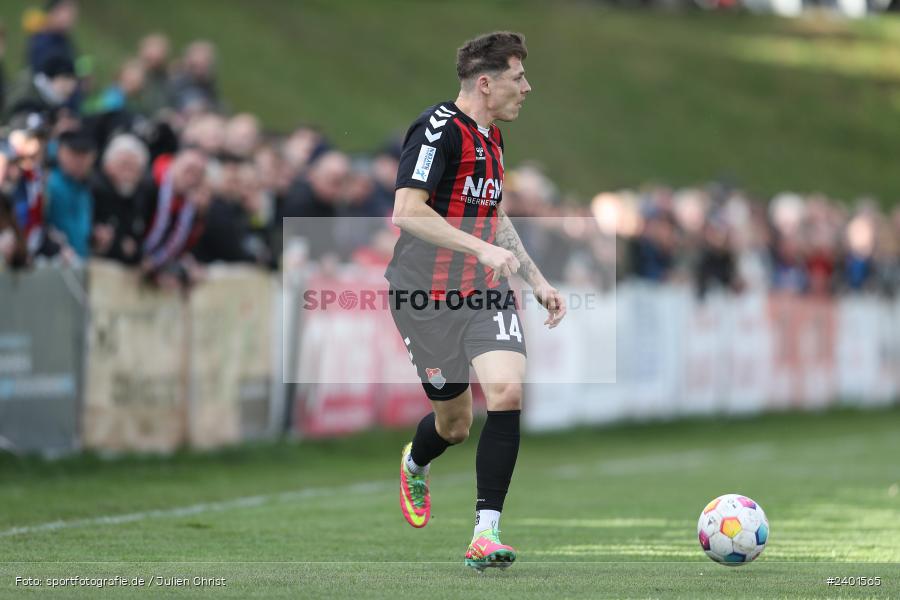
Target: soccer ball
733,530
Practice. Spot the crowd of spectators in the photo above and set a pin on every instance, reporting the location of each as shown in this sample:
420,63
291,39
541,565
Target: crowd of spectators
154,171
715,237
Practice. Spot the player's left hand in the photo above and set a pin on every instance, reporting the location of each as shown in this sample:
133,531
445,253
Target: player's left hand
552,300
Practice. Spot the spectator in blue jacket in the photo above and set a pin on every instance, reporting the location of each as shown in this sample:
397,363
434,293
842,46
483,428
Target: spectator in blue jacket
69,200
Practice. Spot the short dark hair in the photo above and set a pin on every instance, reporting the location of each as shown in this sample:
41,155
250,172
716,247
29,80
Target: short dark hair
489,53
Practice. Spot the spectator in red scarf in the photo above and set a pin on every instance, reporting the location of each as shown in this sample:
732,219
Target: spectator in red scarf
175,216
24,180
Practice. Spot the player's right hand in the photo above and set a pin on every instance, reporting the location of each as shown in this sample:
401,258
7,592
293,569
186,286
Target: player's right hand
501,261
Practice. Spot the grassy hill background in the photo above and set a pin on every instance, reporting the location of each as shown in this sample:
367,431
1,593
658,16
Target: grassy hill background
620,97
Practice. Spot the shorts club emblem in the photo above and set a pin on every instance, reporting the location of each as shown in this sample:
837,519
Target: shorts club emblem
435,378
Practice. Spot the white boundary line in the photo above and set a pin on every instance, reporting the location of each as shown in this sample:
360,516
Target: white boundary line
202,507
610,466
564,472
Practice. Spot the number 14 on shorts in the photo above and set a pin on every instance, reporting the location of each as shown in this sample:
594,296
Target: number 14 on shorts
513,327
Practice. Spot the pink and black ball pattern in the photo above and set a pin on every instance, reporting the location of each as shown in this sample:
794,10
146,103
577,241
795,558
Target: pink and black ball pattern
733,530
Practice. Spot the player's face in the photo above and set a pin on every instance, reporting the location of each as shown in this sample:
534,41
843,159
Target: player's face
508,91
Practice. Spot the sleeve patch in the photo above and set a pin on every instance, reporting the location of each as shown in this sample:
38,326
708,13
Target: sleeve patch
423,165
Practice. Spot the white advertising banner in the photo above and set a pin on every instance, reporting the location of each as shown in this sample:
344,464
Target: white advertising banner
136,380
726,354
858,349
747,343
231,319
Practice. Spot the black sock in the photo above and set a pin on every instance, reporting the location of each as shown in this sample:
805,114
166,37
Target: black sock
496,458
427,444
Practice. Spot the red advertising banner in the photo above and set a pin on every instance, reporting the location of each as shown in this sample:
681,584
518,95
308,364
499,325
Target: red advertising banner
803,351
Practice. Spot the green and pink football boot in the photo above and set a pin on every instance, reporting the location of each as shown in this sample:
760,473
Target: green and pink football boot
415,500
486,550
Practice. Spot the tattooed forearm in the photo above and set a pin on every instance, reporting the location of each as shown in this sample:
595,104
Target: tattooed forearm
509,239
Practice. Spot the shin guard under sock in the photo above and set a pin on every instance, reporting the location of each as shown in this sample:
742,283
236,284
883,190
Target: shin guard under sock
495,459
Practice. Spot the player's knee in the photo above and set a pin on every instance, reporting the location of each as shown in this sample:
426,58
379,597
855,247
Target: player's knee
458,435
456,431
506,396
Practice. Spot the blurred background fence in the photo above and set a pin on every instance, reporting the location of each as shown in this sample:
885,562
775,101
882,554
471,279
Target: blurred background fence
116,366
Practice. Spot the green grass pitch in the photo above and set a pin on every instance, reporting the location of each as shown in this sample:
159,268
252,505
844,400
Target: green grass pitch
593,513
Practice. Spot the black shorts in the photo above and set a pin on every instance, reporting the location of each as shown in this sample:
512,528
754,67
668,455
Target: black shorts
445,335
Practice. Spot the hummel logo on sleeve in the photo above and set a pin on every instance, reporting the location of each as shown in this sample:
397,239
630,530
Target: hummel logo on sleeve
433,136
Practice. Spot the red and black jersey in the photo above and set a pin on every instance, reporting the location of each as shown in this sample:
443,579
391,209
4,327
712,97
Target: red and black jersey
461,167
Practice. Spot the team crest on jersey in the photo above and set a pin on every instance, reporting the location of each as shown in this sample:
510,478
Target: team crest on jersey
435,378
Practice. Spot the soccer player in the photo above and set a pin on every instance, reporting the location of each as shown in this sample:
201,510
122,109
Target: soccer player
450,297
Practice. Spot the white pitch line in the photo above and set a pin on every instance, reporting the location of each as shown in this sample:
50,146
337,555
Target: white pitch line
640,462
610,466
203,507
